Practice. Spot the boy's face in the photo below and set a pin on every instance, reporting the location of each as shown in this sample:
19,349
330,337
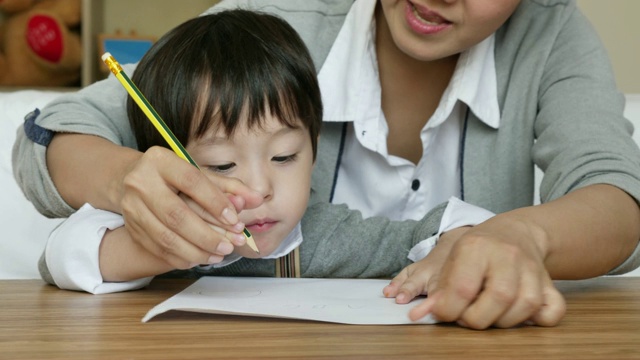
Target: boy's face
274,160
429,30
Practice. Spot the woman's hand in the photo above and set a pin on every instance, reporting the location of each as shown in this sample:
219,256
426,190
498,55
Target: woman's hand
180,214
492,274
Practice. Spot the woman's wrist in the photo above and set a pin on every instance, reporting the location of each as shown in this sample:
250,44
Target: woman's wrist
523,224
93,175
116,188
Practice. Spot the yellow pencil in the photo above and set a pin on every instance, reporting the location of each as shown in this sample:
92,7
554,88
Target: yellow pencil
157,121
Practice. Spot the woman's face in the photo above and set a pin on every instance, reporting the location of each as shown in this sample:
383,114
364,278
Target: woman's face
430,30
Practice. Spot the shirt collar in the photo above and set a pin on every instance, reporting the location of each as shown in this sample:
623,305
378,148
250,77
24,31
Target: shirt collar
474,83
343,79
343,68
293,240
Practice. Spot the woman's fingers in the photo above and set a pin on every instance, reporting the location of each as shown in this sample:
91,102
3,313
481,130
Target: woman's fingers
553,308
237,239
486,277
424,308
165,224
150,233
239,194
184,178
528,301
168,228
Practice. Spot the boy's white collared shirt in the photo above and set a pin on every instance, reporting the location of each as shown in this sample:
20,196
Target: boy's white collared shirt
293,240
73,252
351,93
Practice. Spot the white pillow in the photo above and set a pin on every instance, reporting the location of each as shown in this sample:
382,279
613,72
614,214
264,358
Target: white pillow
24,231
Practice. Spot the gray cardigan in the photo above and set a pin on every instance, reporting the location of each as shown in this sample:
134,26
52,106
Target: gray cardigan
560,109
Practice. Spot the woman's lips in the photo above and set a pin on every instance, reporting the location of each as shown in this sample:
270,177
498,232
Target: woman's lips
425,21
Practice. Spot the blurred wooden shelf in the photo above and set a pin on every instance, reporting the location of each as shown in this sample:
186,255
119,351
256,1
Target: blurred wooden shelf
145,17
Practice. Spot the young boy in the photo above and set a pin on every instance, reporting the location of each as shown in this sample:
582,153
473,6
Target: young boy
239,90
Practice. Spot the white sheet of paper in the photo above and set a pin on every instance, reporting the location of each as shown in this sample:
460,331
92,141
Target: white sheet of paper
346,301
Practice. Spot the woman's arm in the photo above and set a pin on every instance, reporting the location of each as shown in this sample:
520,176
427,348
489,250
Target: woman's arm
145,188
499,272
92,159
79,178
585,233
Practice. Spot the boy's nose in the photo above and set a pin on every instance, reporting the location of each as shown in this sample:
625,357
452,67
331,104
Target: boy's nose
260,182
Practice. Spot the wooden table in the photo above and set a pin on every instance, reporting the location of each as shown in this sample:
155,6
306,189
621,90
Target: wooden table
38,321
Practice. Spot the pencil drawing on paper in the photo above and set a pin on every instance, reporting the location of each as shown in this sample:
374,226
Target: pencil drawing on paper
234,294
347,301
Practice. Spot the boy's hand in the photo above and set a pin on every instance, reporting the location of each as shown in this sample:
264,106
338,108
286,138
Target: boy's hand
489,275
179,231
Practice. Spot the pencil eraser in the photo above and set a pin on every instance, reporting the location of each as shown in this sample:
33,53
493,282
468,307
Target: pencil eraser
105,56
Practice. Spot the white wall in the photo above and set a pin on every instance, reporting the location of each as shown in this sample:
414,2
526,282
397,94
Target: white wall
150,17
617,24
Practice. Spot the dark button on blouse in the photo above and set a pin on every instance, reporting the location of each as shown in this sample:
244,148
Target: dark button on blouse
415,185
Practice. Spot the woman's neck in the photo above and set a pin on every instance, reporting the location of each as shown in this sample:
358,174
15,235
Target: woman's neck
411,91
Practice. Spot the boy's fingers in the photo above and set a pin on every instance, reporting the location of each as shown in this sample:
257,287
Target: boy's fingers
391,290
413,285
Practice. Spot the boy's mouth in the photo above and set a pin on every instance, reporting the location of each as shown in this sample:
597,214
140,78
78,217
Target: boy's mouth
259,226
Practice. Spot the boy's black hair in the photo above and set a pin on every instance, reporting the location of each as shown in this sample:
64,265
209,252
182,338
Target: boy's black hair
210,69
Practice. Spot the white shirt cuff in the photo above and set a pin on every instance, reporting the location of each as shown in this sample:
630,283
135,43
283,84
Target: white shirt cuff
457,214
72,252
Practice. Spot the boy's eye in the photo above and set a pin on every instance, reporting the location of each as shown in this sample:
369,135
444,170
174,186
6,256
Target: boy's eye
221,168
284,159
